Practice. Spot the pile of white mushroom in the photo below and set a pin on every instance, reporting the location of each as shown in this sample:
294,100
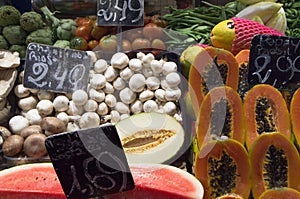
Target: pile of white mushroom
116,90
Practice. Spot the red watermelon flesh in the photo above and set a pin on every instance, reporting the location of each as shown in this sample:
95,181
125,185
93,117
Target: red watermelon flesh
152,181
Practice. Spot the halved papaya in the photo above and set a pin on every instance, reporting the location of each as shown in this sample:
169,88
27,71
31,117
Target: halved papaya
222,166
211,67
243,59
265,111
275,163
295,114
281,193
221,114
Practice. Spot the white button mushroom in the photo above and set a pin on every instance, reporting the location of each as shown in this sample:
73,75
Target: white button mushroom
136,107
72,126
157,66
74,109
150,106
90,106
168,67
147,72
170,108
97,95
108,88
137,82
160,94
20,91
80,97
100,66
27,103
173,79
97,81
140,55
135,64
119,83
127,95
153,83
110,74
102,109
122,108
115,116
110,100
34,117
63,116
119,60
147,59
47,95
61,103
173,94
146,95
89,120
18,123
126,73
45,107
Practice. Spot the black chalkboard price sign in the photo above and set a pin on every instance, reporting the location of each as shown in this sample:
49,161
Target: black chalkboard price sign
56,69
90,162
120,12
275,60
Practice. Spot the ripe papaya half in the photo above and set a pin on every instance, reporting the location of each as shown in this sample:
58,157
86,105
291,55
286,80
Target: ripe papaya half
281,193
243,59
211,67
221,114
265,111
222,166
275,163
295,114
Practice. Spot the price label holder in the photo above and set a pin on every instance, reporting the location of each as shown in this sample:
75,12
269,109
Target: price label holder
56,69
90,162
275,60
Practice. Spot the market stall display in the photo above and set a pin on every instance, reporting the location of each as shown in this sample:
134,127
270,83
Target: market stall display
218,84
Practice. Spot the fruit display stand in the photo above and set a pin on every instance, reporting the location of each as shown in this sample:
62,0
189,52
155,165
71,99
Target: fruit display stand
202,101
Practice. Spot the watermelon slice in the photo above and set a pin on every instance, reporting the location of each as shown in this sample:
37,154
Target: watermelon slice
152,181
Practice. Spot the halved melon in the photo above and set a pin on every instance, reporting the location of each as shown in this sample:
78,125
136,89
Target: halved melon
151,138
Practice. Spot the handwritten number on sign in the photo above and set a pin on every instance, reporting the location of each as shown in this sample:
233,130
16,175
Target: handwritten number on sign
40,70
62,77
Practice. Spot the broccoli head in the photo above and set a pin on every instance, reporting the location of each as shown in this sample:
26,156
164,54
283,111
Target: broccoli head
14,34
31,21
9,15
3,43
42,36
21,49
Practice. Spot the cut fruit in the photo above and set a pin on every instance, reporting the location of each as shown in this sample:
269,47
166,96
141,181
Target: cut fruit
295,114
221,114
281,193
274,163
151,138
265,111
152,181
243,59
223,166
30,181
155,181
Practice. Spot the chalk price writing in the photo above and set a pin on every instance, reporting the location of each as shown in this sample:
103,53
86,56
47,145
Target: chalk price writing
55,69
120,12
274,60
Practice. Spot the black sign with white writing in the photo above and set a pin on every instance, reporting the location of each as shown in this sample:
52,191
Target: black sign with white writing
275,60
56,69
90,162
120,12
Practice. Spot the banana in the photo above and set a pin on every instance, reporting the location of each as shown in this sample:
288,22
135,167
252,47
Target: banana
278,21
265,10
249,2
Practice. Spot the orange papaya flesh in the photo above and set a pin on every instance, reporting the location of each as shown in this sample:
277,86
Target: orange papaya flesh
211,67
281,193
274,162
243,59
265,111
221,114
295,115
222,166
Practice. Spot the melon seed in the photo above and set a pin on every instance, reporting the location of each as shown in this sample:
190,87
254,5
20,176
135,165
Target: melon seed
264,116
222,174
145,140
275,169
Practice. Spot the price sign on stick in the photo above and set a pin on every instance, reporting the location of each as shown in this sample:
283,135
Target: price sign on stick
120,12
90,162
275,60
56,69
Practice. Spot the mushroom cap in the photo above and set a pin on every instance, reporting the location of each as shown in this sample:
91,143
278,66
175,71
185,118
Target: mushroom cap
9,59
8,78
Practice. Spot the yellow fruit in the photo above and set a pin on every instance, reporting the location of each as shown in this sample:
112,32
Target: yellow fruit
187,57
222,35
